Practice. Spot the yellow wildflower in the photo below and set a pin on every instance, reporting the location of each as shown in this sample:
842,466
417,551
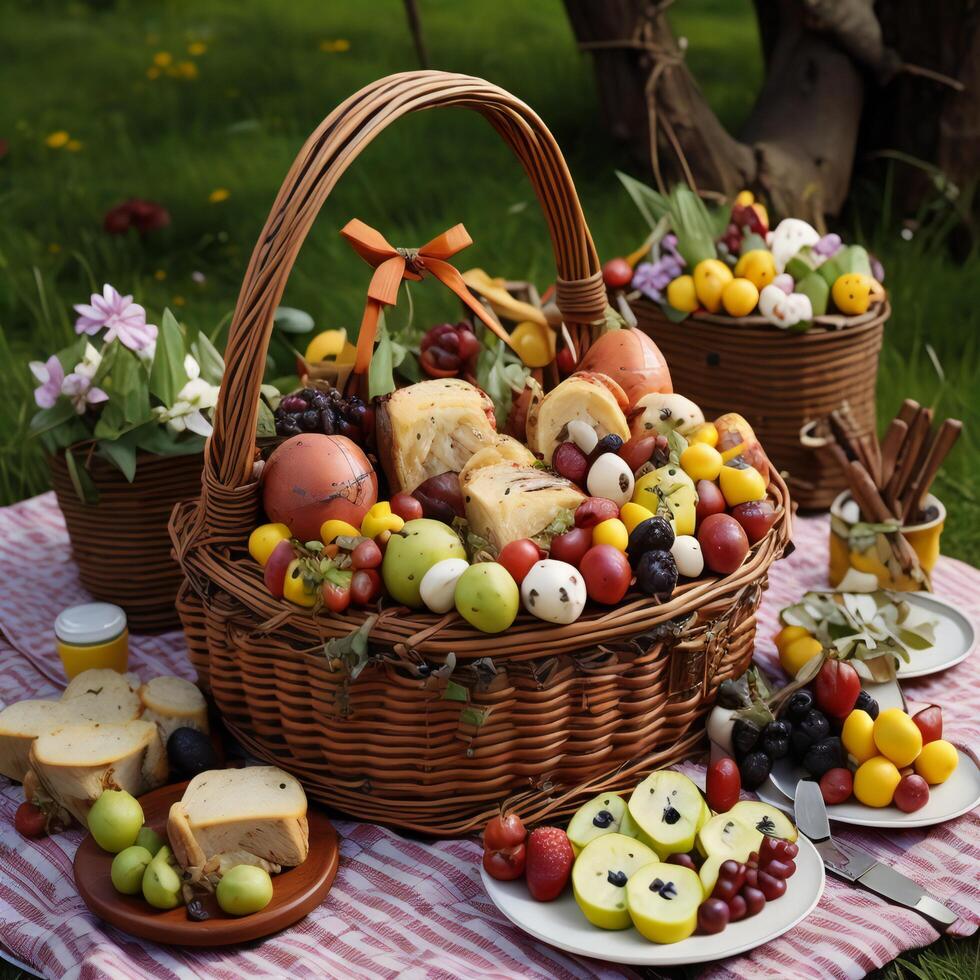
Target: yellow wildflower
187,69
196,48
335,45
163,58
73,145
57,139
152,72
178,301
219,194
160,275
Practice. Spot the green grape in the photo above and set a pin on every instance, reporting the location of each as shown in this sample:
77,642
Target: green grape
244,889
114,820
128,867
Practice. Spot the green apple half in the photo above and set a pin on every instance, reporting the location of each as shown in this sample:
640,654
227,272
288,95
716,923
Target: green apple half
668,808
663,901
601,815
764,818
599,878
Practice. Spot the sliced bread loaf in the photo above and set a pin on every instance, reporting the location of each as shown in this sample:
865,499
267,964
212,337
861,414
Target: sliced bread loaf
258,811
173,703
74,764
105,695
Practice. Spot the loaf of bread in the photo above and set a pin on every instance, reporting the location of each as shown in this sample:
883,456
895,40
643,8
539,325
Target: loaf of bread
75,763
258,813
173,703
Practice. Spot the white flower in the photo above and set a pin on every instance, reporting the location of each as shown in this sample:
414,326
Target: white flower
187,413
191,367
89,363
147,353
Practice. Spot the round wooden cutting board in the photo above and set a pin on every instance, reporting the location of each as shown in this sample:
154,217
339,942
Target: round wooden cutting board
296,891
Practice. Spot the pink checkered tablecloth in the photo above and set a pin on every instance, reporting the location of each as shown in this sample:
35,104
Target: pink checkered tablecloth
404,908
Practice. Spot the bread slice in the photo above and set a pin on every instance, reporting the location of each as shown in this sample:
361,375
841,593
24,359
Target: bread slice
20,724
94,695
173,703
104,695
74,764
258,811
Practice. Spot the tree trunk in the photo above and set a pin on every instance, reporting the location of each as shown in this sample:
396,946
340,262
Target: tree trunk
835,77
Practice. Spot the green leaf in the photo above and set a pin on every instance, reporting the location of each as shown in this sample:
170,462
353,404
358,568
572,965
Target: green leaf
122,455
409,368
49,418
266,425
158,439
167,375
692,225
455,692
472,715
85,489
290,320
210,359
381,379
672,314
650,203
352,650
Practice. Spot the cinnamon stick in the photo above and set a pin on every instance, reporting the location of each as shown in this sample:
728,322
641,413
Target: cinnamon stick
890,445
945,439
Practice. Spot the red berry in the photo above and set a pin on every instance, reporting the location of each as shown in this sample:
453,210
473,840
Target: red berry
755,900
752,877
607,573
570,462
836,785
549,863
912,793
617,273
713,916
771,886
683,860
737,909
724,785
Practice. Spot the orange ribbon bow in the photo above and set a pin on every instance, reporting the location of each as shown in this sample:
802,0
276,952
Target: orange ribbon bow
392,265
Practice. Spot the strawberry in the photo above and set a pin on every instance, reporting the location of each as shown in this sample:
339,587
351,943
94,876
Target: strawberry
549,863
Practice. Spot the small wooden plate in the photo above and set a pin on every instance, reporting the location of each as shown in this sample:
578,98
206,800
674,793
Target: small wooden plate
296,891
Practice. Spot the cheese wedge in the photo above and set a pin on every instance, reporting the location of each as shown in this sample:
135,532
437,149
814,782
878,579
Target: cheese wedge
430,428
74,764
94,695
259,812
173,703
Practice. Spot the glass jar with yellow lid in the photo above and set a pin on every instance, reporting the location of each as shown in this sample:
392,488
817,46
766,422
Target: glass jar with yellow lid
92,635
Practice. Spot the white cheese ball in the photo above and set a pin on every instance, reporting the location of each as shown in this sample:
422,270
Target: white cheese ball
611,477
687,555
438,585
554,591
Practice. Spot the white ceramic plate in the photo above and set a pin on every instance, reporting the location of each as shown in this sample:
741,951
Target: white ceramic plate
561,923
958,795
954,636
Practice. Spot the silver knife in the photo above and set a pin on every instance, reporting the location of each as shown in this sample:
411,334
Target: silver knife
857,866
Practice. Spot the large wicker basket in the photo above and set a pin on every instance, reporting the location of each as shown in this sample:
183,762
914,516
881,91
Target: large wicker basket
778,380
120,542
539,714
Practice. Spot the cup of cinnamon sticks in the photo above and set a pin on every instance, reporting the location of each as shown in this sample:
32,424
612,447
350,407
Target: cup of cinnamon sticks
887,523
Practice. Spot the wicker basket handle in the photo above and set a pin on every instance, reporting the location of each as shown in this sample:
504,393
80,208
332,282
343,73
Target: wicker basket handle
324,158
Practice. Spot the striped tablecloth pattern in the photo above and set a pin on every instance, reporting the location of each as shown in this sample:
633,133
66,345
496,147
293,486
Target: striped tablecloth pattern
407,909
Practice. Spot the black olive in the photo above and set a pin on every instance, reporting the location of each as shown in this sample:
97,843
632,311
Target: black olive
745,736
754,769
653,534
824,756
775,739
190,752
866,703
656,574
799,704
607,444
815,725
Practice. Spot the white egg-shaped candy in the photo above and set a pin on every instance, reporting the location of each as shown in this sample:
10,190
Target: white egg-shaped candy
554,591
610,477
687,555
583,435
438,585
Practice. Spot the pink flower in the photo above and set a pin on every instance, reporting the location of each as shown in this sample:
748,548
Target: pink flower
78,388
119,315
51,375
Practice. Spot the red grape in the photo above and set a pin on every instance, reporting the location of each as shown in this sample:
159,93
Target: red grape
723,543
724,785
755,900
594,511
836,785
572,545
570,462
441,497
780,869
771,886
837,688
911,793
518,557
607,573
683,860
710,500
756,518
731,877
929,721
406,507
737,909
713,916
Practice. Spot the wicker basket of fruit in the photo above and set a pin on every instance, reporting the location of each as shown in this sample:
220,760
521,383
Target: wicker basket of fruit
370,645
782,326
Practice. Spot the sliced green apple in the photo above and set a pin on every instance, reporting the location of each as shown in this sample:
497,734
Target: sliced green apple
663,901
725,837
668,808
629,828
765,819
601,815
600,874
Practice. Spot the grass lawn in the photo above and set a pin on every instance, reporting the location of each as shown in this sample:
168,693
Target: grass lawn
253,79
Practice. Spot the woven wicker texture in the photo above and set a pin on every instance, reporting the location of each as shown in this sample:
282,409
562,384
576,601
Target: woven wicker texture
778,380
547,713
121,544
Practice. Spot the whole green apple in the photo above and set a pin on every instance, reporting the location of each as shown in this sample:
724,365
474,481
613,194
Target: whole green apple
411,552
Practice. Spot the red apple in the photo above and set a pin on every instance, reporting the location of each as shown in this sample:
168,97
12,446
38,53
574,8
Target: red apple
756,517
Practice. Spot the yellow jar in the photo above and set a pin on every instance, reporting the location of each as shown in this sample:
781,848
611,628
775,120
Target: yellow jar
92,635
869,552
